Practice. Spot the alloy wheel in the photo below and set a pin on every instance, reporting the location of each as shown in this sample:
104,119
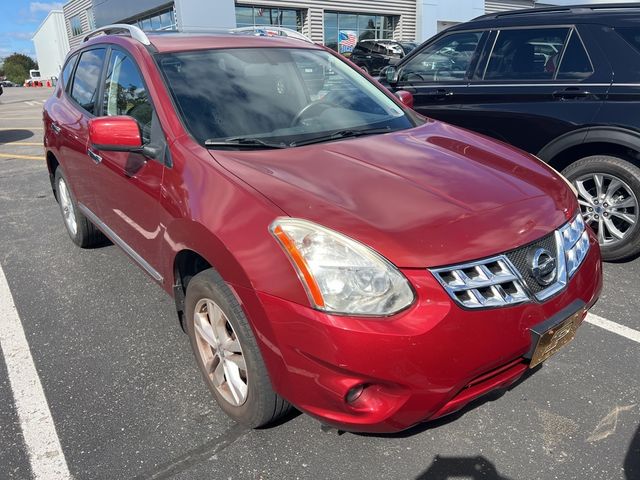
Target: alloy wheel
66,204
220,352
608,205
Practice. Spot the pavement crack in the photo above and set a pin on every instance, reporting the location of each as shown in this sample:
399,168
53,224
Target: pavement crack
196,455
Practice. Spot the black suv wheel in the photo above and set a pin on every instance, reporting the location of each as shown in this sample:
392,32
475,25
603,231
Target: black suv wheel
608,192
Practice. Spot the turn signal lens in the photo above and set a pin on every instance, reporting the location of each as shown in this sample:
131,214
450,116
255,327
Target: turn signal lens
576,243
340,274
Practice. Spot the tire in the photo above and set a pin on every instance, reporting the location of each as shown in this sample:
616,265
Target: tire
206,293
364,69
82,232
614,214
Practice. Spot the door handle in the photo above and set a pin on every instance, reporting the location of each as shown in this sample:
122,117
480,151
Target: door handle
56,129
94,156
570,93
440,94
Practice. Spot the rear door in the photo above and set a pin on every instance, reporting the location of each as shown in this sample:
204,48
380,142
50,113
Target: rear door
127,185
537,84
70,122
438,73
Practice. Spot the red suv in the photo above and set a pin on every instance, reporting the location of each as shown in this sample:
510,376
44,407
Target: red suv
327,247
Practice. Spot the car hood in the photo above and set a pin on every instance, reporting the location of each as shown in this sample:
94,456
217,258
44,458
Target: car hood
429,196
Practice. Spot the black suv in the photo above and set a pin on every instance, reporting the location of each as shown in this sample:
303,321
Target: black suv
373,55
562,83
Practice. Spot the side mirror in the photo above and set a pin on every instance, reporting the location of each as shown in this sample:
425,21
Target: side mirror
405,97
115,134
391,75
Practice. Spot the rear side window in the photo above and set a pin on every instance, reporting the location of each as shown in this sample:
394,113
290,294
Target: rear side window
527,54
576,64
631,35
87,79
125,93
66,71
447,59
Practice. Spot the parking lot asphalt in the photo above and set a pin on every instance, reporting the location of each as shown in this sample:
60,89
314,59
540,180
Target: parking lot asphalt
127,400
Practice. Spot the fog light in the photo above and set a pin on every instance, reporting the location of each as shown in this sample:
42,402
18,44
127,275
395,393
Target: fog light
354,393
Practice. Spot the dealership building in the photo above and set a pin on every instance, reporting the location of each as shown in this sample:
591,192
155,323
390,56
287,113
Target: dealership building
335,23
321,20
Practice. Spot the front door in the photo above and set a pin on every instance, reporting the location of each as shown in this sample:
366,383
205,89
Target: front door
128,184
437,75
535,85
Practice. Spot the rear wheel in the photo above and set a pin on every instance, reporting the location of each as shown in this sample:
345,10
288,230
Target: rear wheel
227,353
609,193
80,229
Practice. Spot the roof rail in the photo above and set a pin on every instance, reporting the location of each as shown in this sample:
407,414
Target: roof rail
569,8
269,31
122,28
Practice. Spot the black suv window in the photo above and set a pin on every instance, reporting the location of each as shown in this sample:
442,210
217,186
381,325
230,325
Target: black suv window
125,93
361,49
575,61
526,54
631,35
447,59
87,78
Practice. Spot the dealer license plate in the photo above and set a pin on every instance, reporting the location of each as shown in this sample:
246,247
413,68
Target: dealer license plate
555,338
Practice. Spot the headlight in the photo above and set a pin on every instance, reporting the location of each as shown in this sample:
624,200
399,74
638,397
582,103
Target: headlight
576,243
339,274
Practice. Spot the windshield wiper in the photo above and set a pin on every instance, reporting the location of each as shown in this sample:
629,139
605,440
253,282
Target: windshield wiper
242,142
342,134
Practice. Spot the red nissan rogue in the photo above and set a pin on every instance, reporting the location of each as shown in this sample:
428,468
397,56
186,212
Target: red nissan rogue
327,247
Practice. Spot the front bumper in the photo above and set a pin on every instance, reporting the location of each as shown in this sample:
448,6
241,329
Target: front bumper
421,364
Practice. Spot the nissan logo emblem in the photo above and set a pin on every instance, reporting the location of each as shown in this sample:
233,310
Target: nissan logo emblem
543,267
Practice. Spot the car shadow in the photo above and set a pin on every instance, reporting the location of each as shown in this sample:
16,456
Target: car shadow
632,460
14,135
444,468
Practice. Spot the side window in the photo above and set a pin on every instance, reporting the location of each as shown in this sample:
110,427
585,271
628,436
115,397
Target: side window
87,78
631,36
527,54
125,94
448,59
391,50
360,49
66,71
575,61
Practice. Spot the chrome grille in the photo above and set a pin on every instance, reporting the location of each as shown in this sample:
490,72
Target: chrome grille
520,258
485,283
508,279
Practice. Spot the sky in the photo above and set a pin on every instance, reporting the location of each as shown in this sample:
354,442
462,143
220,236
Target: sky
19,19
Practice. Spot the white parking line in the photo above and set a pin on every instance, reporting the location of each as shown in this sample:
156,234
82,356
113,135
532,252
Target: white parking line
613,327
43,445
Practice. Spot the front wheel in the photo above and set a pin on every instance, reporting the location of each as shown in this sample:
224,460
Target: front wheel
227,353
608,193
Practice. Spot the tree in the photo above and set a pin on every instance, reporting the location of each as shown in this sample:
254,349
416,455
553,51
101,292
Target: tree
17,66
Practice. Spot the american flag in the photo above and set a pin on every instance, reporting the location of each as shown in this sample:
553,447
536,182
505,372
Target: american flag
347,40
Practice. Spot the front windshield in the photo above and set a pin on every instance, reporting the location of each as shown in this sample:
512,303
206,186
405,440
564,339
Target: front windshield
277,95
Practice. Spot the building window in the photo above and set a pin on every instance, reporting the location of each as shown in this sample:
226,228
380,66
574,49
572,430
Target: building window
76,25
90,21
276,17
164,20
343,30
